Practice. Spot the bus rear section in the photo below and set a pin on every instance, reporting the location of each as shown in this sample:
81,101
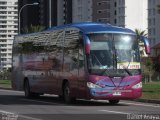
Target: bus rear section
86,61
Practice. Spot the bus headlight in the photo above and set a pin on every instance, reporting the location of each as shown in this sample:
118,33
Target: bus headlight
92,85
139,85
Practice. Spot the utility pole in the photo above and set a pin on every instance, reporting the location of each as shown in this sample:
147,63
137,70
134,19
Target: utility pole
0,59
50,14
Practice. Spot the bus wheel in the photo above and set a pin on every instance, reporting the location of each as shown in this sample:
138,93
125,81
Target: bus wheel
113,102
60,97
27,92
66,93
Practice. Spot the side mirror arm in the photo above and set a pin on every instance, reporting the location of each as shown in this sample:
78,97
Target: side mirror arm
145,40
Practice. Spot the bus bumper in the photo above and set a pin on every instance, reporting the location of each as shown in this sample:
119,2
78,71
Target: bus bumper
115,94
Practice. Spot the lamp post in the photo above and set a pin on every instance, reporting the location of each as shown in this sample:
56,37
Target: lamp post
20,14
50,18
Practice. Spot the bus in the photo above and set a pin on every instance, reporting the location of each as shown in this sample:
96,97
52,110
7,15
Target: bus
79,61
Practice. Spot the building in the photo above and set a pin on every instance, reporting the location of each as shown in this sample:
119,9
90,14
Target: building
44,12
154,26
131,14
101,11
95,11
37,14
8,29
82,11
64,12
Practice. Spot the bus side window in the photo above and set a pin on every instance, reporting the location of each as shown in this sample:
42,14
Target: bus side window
81,53
74,57
70,50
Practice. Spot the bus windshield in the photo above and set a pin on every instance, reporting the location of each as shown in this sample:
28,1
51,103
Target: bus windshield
114,54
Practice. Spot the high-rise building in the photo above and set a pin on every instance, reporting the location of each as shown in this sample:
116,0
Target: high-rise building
131,14
64,11
91,10
82,11
39,14
101,11
44,12
8,29
154,26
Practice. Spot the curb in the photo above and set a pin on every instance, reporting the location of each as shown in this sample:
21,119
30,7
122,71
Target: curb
148,101
6,88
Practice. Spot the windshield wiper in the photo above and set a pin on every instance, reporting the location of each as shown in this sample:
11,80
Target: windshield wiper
97,59
124,67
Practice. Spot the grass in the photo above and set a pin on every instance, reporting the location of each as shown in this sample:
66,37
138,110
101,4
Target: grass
5,83
151,90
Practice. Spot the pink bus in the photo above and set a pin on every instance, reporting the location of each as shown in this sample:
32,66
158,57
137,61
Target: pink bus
83,61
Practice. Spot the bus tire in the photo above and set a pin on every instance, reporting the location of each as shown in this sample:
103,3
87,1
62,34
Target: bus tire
113,102
28,93
60,97
66,93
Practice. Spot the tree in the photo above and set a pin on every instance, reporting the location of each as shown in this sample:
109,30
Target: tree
147,64
4,74
148,69
33,29
141,44
141,32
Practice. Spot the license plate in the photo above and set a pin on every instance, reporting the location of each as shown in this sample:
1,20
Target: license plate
116,93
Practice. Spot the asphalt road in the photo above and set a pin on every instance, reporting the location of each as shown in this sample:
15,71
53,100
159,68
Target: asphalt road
14,106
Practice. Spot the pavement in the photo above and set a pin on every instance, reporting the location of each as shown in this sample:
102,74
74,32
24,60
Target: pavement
13,104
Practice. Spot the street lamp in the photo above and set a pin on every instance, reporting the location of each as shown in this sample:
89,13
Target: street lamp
20,14
50,18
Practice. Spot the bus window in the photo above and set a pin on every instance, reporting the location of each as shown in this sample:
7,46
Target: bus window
81,53
101,56
81,58
126,48
70,50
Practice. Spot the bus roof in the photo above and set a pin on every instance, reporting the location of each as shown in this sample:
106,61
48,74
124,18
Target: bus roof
90,27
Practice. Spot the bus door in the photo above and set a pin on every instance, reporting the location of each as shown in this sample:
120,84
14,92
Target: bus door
81,70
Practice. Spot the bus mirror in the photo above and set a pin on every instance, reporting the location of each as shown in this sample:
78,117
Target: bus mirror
87,45
146,44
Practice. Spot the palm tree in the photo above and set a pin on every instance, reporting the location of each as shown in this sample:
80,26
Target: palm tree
141,32
146,63
33,29
141,44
